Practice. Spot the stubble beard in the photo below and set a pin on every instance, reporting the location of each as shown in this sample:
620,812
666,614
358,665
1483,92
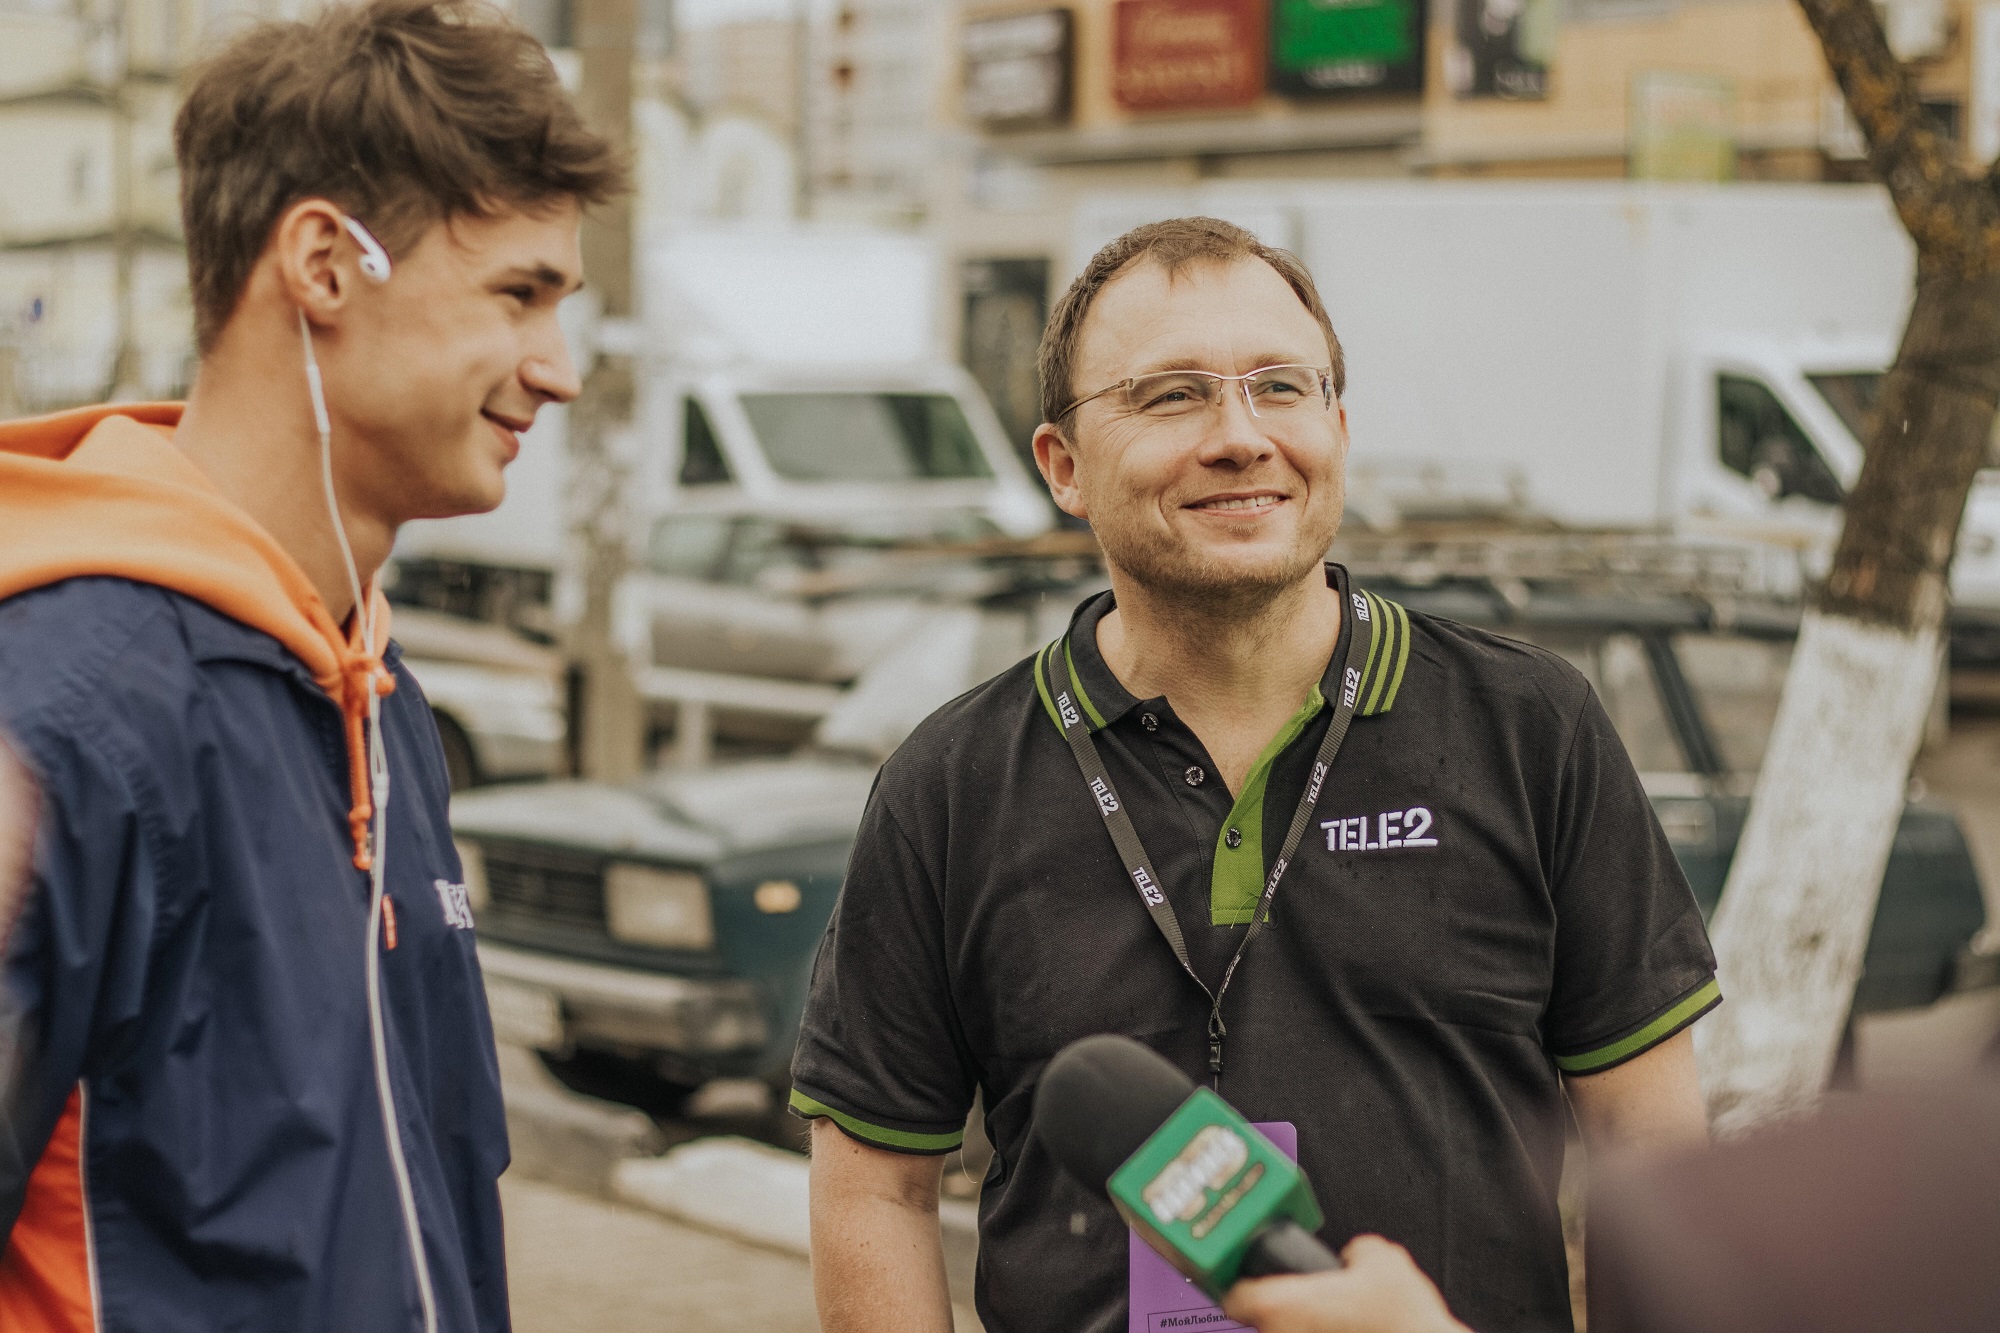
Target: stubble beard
1176,575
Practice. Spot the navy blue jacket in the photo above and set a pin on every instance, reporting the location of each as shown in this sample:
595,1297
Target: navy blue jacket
187,985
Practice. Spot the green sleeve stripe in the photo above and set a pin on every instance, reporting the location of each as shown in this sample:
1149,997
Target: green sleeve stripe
1647,1037
1042,682
887,1138
1089,708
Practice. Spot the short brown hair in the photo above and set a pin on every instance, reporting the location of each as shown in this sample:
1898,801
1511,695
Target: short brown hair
402,112
1174,245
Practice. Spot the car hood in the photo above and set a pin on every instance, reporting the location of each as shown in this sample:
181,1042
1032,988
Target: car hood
694,816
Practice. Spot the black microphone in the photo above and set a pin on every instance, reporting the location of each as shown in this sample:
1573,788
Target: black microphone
1190,1175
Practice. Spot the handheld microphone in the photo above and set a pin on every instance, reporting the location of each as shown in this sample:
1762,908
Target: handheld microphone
1200,1185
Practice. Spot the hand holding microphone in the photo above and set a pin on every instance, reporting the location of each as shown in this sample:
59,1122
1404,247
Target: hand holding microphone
1217,1200
1193,1178
1379,1290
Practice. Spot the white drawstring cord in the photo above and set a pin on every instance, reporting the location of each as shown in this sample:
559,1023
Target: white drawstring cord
378,793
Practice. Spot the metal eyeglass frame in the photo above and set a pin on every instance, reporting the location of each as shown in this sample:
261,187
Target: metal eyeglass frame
1325,384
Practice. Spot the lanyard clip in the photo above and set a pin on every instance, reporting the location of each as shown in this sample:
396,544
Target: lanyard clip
1215,1057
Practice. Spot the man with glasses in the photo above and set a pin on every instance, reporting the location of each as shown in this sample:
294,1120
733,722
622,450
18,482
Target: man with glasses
1384,881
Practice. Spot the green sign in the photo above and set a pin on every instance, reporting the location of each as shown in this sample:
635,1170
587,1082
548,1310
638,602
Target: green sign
1683,127
1330,47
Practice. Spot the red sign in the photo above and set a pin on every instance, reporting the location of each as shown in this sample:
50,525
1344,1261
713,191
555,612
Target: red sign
1186,54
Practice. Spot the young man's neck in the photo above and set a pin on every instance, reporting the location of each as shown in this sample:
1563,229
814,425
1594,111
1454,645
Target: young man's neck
249,428
1234,672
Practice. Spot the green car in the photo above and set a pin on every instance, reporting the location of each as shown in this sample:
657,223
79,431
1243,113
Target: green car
1693,693
670,925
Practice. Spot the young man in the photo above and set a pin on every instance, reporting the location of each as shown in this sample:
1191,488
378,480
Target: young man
260,1090
1466,904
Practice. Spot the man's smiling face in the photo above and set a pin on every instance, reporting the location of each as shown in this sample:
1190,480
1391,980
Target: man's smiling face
434,379
1221,504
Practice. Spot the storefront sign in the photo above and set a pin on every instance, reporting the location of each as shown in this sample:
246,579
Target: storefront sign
1325,47
1683,127
1501,48
1017,68
1172,55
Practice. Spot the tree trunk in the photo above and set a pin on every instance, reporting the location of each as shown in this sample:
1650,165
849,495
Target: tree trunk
1793,924
612,739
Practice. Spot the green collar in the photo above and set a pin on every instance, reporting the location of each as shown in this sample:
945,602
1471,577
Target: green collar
1238,876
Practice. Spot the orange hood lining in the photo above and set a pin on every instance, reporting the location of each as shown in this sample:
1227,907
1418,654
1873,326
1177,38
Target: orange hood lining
104,491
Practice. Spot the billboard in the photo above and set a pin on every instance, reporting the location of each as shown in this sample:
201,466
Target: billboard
1335,47
1501,48
1683,127
1185,55
1017,69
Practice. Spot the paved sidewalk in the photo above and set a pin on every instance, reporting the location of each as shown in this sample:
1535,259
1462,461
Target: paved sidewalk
580,1263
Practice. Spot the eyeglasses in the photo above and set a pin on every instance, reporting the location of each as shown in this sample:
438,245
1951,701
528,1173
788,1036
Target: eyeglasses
1271,391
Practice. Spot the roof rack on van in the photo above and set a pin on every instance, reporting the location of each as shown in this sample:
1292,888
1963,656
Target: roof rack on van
1605,562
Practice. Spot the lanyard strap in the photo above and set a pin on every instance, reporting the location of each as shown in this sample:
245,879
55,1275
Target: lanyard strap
1133,852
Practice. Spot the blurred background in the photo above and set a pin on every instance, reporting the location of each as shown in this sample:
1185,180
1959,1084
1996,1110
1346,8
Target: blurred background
1617,291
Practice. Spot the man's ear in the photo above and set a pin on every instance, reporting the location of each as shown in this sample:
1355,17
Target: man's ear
1055,456
314,271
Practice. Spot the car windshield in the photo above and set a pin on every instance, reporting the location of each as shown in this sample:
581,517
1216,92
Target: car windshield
753,551
1736,681
1616,667
865,436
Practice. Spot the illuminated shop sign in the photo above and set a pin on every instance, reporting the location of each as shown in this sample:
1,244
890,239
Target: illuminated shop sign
1017,68
1501,48
1169,55
1333,47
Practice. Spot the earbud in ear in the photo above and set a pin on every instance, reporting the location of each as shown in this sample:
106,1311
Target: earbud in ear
374,259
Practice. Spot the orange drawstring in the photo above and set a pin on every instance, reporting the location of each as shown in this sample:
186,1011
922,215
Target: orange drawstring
357,671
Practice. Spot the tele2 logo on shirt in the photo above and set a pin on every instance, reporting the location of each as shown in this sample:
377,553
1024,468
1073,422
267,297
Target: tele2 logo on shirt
1384,832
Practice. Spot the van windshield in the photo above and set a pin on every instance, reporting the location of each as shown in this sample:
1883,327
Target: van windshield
865,436
1852,395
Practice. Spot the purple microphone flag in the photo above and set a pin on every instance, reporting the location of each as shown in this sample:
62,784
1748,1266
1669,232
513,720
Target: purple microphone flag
1165,1302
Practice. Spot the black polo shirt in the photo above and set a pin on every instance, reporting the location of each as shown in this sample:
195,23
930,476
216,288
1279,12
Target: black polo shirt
1484,901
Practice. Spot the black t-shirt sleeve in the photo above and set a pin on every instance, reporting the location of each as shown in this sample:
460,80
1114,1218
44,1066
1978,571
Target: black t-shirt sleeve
880,1052
1632,960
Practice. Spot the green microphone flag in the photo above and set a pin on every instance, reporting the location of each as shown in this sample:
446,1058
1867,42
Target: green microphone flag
1204,1186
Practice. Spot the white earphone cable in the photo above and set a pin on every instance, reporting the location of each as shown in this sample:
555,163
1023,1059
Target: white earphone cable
378,794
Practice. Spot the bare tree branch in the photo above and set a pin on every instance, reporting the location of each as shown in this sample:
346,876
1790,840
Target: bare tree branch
1954,221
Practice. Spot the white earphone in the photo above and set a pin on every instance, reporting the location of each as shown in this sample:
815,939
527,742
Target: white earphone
374,259
374,263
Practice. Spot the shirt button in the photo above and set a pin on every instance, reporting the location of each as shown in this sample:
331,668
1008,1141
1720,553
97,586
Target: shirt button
1149,722
1234,838
1194,775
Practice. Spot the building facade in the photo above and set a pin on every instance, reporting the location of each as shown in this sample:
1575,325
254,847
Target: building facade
93,299
1053,102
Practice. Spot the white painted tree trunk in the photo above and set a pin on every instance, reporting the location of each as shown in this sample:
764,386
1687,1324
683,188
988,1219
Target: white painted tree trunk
1793,925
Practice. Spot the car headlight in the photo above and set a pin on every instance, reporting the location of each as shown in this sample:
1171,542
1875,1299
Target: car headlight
472,864
667,908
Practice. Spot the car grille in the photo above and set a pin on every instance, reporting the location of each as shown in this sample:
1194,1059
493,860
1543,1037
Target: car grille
562,888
